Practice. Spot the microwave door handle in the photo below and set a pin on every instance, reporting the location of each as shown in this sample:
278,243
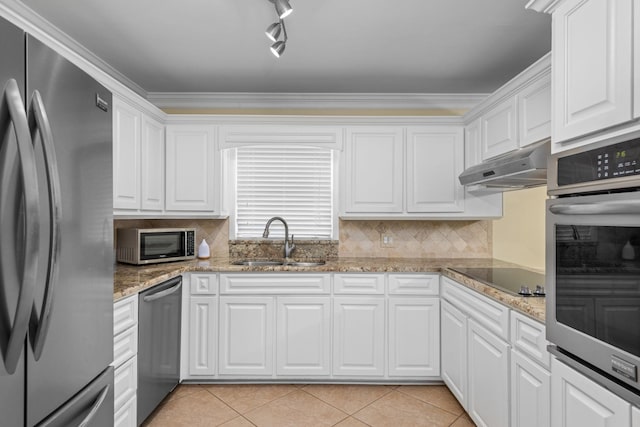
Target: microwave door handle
39,123
622,207
12,110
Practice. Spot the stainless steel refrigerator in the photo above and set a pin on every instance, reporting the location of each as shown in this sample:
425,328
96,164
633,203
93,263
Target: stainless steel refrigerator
56,250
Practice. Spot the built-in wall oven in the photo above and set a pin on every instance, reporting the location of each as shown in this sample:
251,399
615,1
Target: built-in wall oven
593,263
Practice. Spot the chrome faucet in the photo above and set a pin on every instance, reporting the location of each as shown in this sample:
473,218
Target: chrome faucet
289,246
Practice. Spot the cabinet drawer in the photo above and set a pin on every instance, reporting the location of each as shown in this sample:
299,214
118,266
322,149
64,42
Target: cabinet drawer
126,416
125,382
125,314
204,284
269,284
414,284
355,284
528,336
125,346
490,314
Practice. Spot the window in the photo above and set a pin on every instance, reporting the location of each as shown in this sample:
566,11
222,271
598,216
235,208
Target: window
294,182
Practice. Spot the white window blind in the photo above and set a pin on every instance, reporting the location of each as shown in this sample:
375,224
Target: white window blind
294,182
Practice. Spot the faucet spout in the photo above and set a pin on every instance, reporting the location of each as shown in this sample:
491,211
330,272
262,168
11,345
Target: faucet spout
289,246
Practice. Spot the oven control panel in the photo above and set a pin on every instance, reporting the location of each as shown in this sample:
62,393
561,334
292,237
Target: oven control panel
613,161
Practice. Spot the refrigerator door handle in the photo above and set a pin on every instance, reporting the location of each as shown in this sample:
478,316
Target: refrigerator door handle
12,110
39,122
162,294
96,406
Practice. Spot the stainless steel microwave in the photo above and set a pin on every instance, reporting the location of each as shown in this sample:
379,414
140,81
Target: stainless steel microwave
153,245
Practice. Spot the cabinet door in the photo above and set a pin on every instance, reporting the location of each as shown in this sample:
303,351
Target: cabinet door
636,60
591,66
534,112
435,158
414,337
303,336
530,393
488,359
576,401
126,156
202,335
152,165
635,417
358,336
473,143
499,129
192,166
373,170
246,335
453,343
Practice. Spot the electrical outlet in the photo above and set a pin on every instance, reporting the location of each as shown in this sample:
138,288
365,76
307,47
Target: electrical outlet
386,241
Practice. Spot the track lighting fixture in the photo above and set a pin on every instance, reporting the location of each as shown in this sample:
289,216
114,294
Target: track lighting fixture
283,9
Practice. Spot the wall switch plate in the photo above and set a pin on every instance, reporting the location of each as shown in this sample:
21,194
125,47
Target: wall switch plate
386,241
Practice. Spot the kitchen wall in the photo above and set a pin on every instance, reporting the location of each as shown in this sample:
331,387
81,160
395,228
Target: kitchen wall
519,236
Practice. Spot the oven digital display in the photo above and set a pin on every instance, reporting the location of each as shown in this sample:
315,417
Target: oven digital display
614,161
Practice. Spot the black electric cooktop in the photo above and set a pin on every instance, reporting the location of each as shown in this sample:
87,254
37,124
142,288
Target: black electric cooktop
515,281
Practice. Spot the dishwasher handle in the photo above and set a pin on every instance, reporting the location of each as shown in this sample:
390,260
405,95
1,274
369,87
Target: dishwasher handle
163,293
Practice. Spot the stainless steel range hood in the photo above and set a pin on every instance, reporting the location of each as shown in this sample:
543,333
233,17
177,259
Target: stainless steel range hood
523,168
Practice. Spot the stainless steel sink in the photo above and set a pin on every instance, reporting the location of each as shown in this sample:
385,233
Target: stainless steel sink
258,263
267,263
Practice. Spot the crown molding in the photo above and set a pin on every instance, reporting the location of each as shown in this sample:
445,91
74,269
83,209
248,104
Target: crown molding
28,20
544,6
363,101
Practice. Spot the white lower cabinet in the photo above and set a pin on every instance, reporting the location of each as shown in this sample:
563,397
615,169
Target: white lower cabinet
577,401
303,336
125,361
414,332
246,335
488,373
203,315
358,336
635,417
530,392
453,343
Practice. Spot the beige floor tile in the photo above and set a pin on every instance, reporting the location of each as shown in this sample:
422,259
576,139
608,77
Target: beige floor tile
464,421
183,390
437,395
200,409
351,422
296,409
245,397
237,422
348,398
400,410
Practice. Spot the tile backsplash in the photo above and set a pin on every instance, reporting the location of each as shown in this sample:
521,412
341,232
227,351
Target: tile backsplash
416,239
409,239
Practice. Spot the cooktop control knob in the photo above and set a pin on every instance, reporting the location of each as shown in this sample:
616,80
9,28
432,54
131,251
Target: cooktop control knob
539,291
525,291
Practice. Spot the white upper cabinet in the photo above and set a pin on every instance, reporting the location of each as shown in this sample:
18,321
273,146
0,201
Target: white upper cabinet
435,158
126,155
193,169
152,165
373,170
514,116
499,129
592,66
534,112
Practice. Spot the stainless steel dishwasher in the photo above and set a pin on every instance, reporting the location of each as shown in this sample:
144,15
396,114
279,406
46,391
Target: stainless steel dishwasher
159,315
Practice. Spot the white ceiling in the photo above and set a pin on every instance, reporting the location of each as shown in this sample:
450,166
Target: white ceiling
335,46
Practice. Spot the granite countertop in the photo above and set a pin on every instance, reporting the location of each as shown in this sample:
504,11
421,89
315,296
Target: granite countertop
129,280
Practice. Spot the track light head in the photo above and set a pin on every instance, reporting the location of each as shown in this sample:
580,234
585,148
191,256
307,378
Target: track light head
278,48
273,31
283,8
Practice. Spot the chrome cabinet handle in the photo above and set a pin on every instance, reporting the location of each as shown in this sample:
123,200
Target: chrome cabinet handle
39,123
12,110
622,207
96,406
162,294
